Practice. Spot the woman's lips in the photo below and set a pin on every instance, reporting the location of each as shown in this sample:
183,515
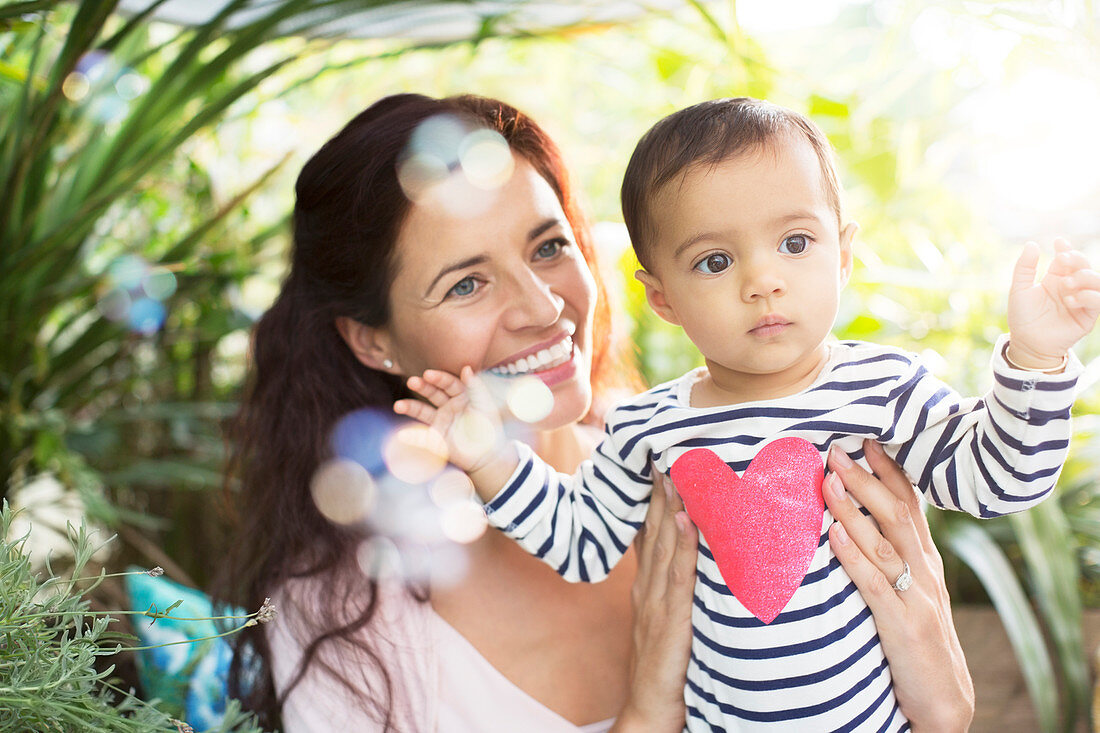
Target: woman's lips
553,363
548,357
561,372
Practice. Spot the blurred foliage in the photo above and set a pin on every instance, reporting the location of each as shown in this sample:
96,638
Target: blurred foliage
133,420
129,257
118,267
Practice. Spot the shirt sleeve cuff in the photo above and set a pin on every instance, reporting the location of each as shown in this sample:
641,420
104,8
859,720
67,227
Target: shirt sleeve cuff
513,508
1025,392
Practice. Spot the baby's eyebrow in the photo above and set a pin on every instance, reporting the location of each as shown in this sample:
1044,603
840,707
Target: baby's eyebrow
797,216
781,220
694,239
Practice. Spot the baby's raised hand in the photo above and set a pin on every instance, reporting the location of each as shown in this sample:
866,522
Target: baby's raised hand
1046,318
459,409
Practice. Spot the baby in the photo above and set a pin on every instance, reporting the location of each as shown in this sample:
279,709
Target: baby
733,208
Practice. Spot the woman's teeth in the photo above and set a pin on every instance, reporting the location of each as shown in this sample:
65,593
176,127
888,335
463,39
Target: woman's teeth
547,358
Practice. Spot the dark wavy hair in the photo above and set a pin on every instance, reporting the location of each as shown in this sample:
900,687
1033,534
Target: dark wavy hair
303,378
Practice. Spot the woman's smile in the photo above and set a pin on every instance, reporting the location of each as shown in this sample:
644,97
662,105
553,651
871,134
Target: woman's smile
529,310
543,357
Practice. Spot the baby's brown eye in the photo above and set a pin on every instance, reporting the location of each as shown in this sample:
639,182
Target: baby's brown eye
794,245
714,263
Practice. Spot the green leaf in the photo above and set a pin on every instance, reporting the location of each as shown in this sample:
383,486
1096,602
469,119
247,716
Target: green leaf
166,474
670,63
1051,556
980,553
879,172
825,107
862,326
13,73
712,23
18,10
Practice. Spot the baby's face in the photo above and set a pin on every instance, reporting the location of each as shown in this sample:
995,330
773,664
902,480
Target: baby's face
749,259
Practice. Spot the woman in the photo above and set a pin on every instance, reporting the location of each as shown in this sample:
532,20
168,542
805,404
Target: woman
512,646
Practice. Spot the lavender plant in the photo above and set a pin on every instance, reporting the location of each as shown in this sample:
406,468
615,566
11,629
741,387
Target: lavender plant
51,640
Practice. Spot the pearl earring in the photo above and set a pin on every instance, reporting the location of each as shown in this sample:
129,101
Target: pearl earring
388,363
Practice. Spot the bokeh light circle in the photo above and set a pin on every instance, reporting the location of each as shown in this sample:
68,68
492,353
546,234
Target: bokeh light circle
440,137
379,558
343,491
146,316
463,522
360,435
450,166
486,159
127,272
474,434
131,85
114,305
418,173
76,86
95,65
451,487
431,155
159,283
529,399
415,453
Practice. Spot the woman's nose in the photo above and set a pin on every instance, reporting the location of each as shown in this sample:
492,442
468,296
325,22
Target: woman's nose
760,279
533,303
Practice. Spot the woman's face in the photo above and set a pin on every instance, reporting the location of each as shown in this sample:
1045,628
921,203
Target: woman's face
505,291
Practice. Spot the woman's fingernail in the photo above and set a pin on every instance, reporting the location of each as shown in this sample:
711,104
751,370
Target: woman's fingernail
840,457
667,485
876,447
681,522
841,533
836,488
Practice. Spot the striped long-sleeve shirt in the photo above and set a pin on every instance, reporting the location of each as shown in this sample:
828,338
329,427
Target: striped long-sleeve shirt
818,664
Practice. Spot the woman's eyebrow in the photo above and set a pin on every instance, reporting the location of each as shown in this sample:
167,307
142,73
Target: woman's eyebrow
481,259
541,228
469,262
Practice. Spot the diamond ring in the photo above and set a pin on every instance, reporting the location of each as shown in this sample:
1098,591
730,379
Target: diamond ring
904,579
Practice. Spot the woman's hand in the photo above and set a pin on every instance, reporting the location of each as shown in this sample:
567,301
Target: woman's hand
931,681
662,600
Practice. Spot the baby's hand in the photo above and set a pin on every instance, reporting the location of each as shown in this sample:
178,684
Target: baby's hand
460,410
1046,318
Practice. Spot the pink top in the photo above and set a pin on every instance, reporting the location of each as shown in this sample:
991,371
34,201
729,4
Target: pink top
442,682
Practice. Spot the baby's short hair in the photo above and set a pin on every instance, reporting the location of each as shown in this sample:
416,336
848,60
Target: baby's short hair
710,133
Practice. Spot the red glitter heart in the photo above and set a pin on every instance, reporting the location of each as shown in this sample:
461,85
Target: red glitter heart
762,527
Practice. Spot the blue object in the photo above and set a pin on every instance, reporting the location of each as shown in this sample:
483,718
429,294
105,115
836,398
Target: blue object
192,677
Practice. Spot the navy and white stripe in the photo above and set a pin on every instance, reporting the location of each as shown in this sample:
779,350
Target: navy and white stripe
819,664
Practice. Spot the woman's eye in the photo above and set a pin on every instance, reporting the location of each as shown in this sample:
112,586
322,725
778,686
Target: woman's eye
549,249
465,286
795,244
715,263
